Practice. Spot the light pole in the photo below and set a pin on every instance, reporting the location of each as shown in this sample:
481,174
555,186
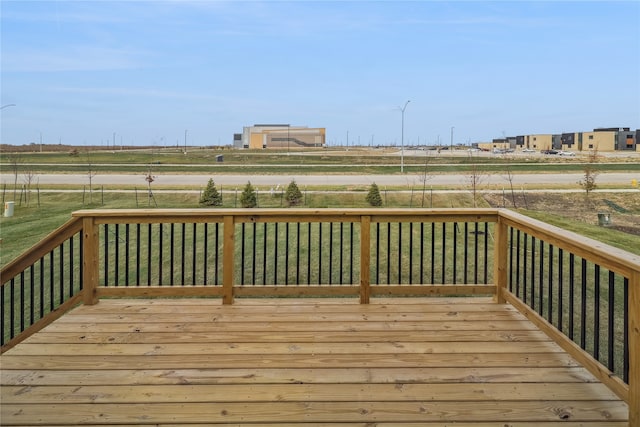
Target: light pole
402,138
451,143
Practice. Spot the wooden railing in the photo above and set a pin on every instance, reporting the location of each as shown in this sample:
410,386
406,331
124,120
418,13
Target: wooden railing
42,284
584,294
288,252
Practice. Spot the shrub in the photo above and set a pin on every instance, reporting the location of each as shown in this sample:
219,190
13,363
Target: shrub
373,196
293,196
249,198
211,196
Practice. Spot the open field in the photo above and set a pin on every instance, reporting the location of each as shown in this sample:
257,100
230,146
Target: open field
363,161
319,173
568,210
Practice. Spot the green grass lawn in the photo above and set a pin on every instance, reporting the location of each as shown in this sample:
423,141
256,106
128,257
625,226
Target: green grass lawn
49,210
30,224
618,239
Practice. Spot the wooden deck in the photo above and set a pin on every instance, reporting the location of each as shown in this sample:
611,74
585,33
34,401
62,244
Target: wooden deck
289,362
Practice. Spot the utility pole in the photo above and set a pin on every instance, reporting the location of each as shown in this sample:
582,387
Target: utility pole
185,142
402,138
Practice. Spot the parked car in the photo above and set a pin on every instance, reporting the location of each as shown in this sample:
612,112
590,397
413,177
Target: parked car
528,150
566,153
549,151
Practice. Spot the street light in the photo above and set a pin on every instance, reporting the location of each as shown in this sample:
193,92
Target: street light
451,144
402,137
288,137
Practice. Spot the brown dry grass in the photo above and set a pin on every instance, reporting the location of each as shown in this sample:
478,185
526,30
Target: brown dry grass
623,207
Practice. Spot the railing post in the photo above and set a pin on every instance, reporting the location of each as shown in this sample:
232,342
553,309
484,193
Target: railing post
228,263
634,349
365,259
90,261
500,260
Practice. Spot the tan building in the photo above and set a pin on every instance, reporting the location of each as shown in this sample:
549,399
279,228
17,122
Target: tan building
538,142
599,141
280,136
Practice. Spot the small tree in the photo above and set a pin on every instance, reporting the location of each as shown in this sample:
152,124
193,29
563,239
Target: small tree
14,161
475,178
249,198
211,196
90,174
425,176
29,178
588,182
509,177
293,195
373,196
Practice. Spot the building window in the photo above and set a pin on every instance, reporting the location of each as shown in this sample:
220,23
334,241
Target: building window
590,145
590,136
534,138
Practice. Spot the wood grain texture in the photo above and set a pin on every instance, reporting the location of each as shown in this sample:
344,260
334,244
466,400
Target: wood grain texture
299,362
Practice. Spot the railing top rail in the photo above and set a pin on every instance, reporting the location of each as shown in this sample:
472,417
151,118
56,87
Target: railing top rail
40,249
282,212
605,255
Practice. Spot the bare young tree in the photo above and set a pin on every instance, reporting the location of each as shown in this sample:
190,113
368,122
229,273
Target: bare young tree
15,160
588,181
475,179
29,177
90,174
150,178
425,176
509,177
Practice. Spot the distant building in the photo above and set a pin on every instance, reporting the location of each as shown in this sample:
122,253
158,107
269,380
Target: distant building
569,142
279,136
600,139
539,142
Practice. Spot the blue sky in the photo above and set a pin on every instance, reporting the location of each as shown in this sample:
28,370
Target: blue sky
80,71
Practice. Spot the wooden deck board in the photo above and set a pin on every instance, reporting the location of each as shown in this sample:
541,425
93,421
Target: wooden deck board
290,362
